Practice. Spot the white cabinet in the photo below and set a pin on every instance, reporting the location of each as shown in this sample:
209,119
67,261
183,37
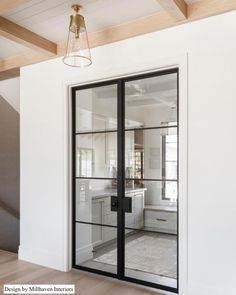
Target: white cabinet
138,201
97,212
163,221
102,214
135,218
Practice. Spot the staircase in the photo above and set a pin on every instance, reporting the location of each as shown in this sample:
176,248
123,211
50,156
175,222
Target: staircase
9,176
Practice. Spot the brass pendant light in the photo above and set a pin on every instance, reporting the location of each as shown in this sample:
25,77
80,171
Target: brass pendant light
78,51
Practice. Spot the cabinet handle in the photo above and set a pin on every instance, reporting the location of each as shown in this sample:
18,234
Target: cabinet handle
160,219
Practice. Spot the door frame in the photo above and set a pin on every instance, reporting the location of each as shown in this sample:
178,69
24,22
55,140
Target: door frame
181,62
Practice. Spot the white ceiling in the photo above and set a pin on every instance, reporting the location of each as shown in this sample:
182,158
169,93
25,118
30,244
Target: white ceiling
50,18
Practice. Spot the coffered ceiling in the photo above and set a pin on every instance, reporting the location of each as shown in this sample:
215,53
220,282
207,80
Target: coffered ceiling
35,30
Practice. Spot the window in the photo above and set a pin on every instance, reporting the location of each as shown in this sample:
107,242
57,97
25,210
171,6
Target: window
169,165
85,162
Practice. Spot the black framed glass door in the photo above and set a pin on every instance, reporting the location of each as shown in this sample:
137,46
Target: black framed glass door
125,178
94,174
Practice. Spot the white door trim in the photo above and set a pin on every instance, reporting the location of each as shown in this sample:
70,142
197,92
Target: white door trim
94,76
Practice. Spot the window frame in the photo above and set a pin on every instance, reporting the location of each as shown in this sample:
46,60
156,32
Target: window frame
163,164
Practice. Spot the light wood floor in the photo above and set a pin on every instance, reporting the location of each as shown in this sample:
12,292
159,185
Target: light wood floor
14,271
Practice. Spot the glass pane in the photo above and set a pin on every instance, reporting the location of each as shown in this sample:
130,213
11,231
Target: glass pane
171,150
171,170
135,219
151,102
96,108
151,156
96,155
158,261
93,201
154,206
170,190
96,247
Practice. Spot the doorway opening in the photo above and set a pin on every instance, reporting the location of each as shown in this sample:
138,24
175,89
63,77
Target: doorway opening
125,167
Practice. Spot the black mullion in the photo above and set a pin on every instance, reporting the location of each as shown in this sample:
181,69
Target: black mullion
178,180
73,158
126,129
121,180
150,75
140,179
96,84
126,79
98,178
96,224
151,128
95,271
163,166
126,228
150,284
95,132
153,179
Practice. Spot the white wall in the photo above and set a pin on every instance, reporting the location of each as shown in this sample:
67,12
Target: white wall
211,47
10,91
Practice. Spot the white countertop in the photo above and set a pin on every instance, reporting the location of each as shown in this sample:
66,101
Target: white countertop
160,208
113,192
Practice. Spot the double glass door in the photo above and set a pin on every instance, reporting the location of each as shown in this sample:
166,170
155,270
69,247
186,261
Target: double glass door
125,178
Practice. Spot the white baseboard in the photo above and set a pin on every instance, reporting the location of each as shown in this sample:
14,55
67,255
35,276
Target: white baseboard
84,253
41,257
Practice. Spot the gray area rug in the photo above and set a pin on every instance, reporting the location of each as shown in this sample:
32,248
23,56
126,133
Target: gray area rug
148,253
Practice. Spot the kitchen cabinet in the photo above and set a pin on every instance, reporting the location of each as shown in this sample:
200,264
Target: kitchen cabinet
97,213
102,214
161,220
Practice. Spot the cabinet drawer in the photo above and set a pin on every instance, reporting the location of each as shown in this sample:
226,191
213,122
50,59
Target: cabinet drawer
166,221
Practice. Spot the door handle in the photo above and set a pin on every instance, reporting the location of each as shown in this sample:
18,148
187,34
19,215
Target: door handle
114,203
127,204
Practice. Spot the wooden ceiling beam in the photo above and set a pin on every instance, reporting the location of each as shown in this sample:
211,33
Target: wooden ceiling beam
156,22
9,74
23,59
21,35
206,8
175,8
6,5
